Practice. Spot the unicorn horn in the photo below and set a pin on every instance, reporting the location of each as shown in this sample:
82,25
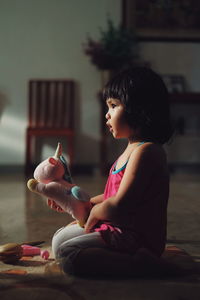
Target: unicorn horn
58,152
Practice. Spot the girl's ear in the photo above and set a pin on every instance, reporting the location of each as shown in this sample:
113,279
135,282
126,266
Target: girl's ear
53,161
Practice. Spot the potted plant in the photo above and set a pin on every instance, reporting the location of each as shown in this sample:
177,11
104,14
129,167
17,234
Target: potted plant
115,50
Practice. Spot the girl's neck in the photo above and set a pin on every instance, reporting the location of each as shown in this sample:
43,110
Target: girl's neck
135,137
131,145
124,157
132,141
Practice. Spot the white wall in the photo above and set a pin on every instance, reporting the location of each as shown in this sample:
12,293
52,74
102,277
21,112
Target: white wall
43,39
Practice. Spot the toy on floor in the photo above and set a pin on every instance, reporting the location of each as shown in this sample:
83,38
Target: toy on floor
52,179
32,251
12,252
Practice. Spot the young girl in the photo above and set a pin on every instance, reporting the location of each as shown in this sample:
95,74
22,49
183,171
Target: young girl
127,223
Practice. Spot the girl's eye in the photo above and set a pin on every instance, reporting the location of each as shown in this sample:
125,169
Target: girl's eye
113,105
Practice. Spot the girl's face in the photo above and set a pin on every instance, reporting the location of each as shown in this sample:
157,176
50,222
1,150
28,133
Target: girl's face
116,121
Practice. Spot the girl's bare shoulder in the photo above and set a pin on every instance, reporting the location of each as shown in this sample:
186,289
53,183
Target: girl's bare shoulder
151,152
151,147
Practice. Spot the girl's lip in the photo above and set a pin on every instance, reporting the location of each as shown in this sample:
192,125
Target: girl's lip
109,127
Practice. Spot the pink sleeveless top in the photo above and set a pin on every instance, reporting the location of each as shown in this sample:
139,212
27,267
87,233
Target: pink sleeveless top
114,180
117,238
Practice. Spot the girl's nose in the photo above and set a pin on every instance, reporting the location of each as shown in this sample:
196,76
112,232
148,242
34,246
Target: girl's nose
107,116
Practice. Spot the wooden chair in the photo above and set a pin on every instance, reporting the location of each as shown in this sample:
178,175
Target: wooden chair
50,113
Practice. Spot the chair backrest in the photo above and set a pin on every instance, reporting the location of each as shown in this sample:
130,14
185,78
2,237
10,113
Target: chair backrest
51,103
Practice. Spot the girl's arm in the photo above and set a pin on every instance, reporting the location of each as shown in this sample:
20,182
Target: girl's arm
144,162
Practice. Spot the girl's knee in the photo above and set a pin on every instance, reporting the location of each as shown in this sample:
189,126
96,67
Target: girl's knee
63,235
57,241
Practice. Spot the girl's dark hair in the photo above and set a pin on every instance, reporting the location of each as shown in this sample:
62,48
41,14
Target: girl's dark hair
145,97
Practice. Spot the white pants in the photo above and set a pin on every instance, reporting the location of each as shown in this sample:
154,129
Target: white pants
68,241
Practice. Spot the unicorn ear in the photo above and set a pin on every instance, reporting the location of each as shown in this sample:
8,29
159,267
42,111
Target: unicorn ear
58,152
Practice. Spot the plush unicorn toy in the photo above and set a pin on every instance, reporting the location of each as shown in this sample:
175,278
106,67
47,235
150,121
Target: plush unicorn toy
52,179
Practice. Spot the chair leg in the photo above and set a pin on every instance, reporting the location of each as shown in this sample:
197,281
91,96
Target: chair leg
28,154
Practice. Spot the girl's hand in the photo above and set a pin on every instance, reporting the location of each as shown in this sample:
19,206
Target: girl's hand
52,204
93,218
104,211
97,199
